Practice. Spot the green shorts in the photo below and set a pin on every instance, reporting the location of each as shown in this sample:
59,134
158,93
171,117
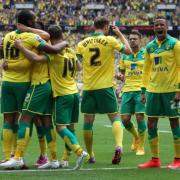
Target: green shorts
12,96
99,101
131,103
158,105
38,100
66,109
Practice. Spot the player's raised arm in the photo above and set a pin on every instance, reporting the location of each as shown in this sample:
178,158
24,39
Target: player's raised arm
127,48
43,34
30,55
55,48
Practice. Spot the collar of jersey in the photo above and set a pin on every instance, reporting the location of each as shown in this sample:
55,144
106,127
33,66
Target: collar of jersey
18,31
167,38
97,34
140,51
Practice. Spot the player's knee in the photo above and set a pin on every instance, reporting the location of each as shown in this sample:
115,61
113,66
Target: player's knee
127,124
140,117
88,126
152,133
9,118
24,131
141,126
176,132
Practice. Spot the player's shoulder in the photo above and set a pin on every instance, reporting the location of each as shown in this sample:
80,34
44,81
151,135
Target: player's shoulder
84,41
150,47
142,50
110,38
124,57
70,52
172,42
171,39
29,35
12,33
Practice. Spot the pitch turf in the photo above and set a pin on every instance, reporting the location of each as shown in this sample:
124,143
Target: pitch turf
104,149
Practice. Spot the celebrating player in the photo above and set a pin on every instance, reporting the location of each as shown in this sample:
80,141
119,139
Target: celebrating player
97,53
65,92
131,67
161,79
16,82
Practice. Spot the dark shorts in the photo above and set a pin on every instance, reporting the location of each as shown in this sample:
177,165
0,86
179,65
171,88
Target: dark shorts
66,109
99,101
12,96
158,105
38,99
131,103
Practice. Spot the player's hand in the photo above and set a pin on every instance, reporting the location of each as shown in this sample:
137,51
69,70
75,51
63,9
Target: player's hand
120,76
18,44
116,30
4,65
143,98
66,43
177,97
22,27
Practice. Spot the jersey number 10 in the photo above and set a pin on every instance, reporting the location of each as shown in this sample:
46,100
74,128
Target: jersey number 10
11,52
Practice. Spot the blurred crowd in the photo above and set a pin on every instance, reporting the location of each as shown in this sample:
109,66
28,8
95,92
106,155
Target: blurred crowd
82,12
77,12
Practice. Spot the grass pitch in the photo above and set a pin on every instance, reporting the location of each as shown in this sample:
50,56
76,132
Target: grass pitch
104,149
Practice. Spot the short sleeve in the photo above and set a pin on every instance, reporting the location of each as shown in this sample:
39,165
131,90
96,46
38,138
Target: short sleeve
116,44
37,41
78,50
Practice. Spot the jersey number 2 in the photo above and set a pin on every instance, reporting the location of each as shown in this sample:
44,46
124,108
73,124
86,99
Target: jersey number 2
94,57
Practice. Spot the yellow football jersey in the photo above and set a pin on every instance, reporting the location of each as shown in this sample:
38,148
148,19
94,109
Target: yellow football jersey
62,72
21,72
162,66
133,66
97,52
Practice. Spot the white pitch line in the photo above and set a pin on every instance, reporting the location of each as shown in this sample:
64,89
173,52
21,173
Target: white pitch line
162,131
56,170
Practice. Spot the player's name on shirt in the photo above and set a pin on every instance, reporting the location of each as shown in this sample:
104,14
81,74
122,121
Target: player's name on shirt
95,41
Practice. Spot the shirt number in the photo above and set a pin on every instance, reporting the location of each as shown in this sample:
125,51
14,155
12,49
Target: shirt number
69,65
11,52
94,57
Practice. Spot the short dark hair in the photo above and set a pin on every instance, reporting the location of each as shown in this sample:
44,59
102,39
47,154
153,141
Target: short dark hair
160,17
24,16
100,22
55,32
136,32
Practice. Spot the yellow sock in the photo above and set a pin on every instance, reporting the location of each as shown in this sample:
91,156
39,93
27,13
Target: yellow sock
66,155
75,147
7,137
42,145
154,146
177,147
141,139
22,143
117,131
88,139
14,144
133,131
52,149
